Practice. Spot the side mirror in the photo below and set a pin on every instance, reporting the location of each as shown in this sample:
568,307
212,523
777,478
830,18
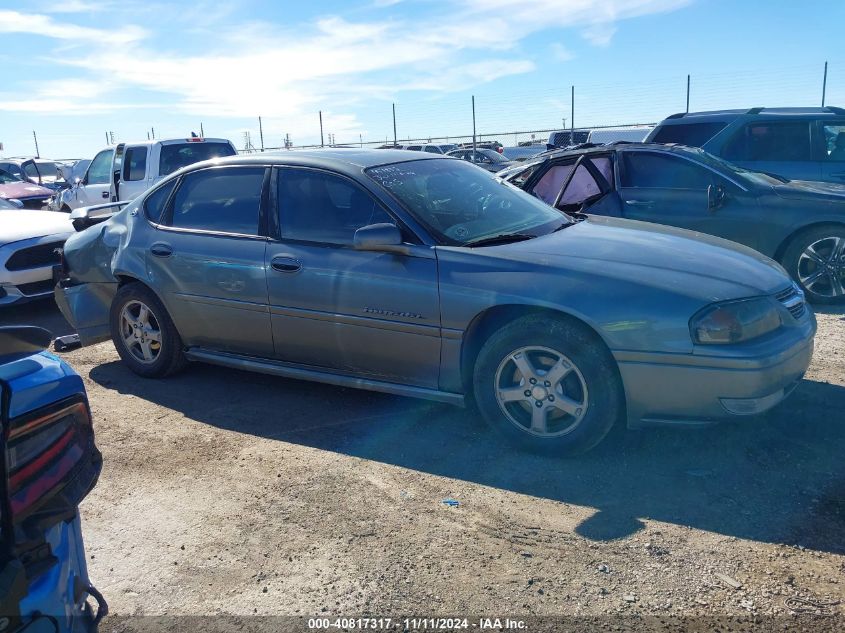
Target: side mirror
715,197
84,217
379,237
15,202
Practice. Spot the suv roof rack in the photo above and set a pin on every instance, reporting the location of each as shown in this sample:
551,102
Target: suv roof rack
755,110
679,115
835,110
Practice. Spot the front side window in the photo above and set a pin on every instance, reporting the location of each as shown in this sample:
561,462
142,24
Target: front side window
771,141
99,171
226,200
834,138
316,206
135,164
659,171
178,155
460,203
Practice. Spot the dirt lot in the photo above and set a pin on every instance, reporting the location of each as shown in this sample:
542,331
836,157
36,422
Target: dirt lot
229,492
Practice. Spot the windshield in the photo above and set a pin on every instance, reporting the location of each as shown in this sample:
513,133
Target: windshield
6,178
460,203
756,177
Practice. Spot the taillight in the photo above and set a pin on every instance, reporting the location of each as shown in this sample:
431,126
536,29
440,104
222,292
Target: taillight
43,451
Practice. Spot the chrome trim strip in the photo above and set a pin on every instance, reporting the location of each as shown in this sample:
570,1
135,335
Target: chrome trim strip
348,319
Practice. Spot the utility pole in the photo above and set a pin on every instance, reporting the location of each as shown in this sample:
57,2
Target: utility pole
261,133
572,118
322,144
107,137
35,138
688,81
824,84
473,129
202,132
394,125
154,132
361,139
148,135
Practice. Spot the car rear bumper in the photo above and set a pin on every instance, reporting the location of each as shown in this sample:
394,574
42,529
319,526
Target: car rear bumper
699,389
86,307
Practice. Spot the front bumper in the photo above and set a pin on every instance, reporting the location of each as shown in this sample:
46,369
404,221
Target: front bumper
702,388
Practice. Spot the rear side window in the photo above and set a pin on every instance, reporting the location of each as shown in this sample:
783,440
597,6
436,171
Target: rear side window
771,141
135,164
177,155
658,171
155,202
433,149
692,134
225,200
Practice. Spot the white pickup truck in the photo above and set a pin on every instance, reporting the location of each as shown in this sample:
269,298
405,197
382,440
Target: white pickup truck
126,170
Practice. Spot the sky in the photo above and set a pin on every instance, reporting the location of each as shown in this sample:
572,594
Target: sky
76,71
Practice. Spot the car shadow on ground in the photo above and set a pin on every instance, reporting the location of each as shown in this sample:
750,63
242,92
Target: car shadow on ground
42,312
778,478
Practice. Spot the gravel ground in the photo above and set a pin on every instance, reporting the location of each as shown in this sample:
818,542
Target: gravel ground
226,492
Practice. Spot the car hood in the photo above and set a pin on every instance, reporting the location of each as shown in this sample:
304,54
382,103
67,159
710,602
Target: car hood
654,254
23,190
811,190
22,224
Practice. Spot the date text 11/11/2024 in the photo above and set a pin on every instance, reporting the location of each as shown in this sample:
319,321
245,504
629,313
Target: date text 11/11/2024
417,624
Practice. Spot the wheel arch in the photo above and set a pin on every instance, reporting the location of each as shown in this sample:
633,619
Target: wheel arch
485,323
789,239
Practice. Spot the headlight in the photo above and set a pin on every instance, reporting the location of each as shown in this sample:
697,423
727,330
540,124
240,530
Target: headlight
735,321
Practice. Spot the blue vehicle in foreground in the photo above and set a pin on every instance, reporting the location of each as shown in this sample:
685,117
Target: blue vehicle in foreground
48,462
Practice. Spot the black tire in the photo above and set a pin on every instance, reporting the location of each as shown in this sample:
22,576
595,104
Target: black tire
596,370
824,237
169,356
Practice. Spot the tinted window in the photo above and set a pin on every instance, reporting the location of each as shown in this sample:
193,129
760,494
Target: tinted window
319,207
225,200
433,149
834,139
414,148
177,155
99,171
154,204
45,170
648,169
692,134
770,141
521,177
135,164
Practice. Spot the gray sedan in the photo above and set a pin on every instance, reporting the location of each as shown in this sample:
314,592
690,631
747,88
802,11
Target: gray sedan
424,276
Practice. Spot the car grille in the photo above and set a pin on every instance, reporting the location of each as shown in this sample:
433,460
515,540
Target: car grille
793,300
34,257
36,288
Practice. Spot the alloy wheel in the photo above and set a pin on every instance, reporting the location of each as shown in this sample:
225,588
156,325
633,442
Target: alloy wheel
821,267
541,391
140,331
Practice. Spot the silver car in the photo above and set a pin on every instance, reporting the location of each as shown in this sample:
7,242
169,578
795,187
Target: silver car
424,276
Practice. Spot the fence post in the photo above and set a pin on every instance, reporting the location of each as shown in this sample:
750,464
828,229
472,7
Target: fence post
322,144
261,133
473,128
394,124
572,118
688,81
824,84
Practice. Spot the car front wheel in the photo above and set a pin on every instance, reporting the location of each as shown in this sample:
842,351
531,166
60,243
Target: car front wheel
548,384
143,334
816,260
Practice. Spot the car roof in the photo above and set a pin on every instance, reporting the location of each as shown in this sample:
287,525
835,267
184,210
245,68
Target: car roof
721,115
341,159
623,145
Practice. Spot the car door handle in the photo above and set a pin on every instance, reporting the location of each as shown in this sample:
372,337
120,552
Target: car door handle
105,194
286,264
161,250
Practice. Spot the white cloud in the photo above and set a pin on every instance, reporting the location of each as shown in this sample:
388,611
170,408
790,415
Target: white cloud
289,71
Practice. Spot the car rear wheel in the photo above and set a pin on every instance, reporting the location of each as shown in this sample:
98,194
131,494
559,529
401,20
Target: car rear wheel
548,384
143,334
816,260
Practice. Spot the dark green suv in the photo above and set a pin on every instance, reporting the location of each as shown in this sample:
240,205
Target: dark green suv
796,143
